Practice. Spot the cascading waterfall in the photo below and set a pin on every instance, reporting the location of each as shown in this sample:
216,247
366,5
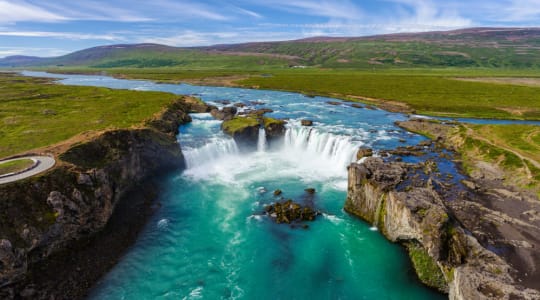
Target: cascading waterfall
339,151
261,142
217,148
210,239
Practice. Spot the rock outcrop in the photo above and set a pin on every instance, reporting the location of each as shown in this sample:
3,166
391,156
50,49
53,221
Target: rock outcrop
306,123
48,214
290,212
364,152
415,214
245,129
226,113
275,129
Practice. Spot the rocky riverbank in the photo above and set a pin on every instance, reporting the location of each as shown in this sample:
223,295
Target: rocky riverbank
52,239
475,238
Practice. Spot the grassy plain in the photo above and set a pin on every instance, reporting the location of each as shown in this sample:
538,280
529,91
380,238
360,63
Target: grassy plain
438,92
15,165
514,149
428,92
34,112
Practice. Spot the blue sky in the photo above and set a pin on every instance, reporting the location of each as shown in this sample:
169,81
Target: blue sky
50,28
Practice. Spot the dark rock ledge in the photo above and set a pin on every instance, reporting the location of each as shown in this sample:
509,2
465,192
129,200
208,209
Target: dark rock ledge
63,230
449,251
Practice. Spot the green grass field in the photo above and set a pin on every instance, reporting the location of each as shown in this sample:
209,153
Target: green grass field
15,165
35,113
431,92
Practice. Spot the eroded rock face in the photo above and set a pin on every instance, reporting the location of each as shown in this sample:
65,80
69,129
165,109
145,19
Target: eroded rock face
275,129
364,152
420,215
224,114
245,129
47,214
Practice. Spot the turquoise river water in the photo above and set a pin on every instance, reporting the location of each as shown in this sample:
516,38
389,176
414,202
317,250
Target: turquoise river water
210,240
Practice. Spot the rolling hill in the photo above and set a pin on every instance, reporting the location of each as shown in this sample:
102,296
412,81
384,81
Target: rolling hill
474,47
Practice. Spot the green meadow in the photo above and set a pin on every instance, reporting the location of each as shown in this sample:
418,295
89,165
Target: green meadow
34,112
431,91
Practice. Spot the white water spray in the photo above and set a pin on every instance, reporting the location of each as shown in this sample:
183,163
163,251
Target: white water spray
261,142
217,148
336,151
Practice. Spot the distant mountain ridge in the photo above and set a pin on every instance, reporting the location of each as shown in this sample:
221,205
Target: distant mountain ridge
471,47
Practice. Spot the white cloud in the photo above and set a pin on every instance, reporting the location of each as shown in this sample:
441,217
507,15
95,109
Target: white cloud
188,10
337,9
16,11
190,38
31,51
248,12
424,15
514,11
62,35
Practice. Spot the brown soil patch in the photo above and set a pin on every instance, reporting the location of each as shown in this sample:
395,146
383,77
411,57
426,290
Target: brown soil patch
229,81
504,80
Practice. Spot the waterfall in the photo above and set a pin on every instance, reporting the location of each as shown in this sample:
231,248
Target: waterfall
261,142
336,151
217,148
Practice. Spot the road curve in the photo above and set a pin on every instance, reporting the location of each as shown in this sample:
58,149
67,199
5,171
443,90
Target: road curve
44,163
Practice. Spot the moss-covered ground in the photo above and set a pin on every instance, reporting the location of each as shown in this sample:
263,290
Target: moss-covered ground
35,112
239,123
426,268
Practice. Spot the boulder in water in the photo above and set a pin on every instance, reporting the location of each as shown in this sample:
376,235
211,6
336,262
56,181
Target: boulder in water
310,191
274,128
226,113
306,123
244,130
334,102
290,212
356,105
277,192
364,152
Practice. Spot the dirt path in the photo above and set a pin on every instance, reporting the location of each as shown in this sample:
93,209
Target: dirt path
44,163
470,132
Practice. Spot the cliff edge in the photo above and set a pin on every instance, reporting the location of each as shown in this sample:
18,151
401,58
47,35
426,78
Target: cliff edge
413,207
45,219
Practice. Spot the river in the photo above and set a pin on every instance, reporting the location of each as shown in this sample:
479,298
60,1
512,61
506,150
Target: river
209,238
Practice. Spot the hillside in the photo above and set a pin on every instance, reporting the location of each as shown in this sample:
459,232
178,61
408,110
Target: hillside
475,47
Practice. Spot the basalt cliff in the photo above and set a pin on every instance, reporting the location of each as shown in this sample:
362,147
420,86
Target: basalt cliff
452,233
57,224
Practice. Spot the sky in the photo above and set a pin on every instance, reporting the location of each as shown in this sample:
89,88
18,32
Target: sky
57,27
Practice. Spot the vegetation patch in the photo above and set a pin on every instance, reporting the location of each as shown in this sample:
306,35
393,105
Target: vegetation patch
428,94
238,124
427,269
15,166
34,112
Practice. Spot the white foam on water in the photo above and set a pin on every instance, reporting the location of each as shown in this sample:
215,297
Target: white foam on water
163,223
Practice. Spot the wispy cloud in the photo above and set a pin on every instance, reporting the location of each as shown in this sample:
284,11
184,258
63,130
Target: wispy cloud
62,35
187,9
16,11
248,12
422,15
513,10
337,9
31,51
